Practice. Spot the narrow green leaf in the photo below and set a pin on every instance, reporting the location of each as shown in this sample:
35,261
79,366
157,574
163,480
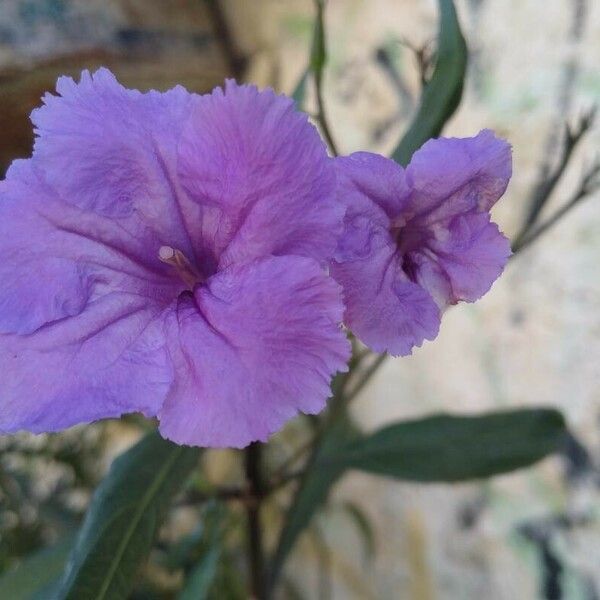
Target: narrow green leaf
318,53
35,572
312,493
299,93
178,554
229,582
455,448
363,526
123,518
203,575
442,93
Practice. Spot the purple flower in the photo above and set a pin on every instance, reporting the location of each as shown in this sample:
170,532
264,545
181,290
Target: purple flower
164,253
419,239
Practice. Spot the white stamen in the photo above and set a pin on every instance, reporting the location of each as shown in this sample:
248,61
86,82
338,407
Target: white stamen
166,253
184,268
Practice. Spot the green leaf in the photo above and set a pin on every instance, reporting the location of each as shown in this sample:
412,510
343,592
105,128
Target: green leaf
318,53
363,526
299,93
229,581
123,518
455,448
202,576
442,93
312,493
178,554
35,572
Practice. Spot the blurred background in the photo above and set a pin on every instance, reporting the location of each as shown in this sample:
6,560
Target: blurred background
533,340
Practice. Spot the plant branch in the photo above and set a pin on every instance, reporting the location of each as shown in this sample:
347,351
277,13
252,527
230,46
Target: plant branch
589,183
194,497
255,541
318,58
367,376
339,387
425,56
543,190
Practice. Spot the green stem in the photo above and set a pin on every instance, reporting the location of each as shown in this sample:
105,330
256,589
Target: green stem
367,376
317,63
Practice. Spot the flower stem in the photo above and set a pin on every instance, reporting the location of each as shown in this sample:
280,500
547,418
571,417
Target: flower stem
318,60
255,540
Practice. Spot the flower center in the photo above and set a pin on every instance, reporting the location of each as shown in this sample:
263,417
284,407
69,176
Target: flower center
185,269
408,237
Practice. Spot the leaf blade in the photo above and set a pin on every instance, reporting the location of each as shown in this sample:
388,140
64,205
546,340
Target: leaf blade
202,576
363,526
312,493
442,93
447,448
299,93
35,572
125,512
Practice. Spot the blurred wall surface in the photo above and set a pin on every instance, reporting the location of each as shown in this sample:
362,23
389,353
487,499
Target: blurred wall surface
147,44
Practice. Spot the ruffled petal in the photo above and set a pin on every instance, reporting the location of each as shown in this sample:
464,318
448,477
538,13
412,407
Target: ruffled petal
250,154
376,177
451,176
384,308
107,361
459,253
38,286
470,255
112,151
58,258
253,347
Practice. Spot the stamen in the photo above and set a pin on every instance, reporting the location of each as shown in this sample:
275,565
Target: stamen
185,269
166,253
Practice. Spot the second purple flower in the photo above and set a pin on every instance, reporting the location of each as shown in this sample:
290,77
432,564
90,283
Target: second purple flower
419,239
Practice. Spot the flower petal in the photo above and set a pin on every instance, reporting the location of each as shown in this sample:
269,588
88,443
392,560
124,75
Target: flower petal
380,179
254,346
112,151
58,258
472,255
450,176
38,286
383,308
250,154
107,361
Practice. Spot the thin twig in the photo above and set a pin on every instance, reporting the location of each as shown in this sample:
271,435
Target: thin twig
367,376
277,483
588,185
406,100
194,497
544,188
236,60
564,100
322,119
317,63
339,388
283,469
424,55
